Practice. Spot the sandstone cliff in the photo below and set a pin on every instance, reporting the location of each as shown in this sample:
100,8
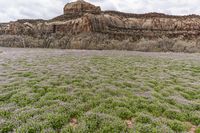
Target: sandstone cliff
82,17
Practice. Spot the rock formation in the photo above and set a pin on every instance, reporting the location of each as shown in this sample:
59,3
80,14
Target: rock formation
82,17
81,7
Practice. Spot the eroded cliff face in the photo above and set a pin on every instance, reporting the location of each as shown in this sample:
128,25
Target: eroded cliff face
112,24
81,17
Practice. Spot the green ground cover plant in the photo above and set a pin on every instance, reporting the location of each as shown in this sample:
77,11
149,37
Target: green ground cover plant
75,91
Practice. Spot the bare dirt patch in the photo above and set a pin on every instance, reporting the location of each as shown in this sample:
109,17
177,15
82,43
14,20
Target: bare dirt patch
193,129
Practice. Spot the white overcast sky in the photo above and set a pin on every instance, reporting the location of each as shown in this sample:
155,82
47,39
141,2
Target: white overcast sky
11,10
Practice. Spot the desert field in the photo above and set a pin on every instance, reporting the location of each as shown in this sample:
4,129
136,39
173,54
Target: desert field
82,91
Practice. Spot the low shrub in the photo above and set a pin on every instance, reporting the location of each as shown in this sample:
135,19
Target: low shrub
31,127
98,122
143,118
174,114
123,112
57,121
98,41
177,126
197,130
6,127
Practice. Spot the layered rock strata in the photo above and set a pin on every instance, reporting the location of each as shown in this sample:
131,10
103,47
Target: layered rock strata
82,17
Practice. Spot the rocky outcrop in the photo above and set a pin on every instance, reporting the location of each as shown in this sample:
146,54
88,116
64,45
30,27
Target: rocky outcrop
82,17
81,6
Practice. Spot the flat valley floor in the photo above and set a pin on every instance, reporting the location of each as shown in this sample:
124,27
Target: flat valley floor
51,90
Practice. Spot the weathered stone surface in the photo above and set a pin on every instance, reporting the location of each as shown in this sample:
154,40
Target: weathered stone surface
79,17
82,17
81,6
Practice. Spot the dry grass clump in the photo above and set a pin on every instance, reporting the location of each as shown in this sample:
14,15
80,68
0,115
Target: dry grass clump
97,41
